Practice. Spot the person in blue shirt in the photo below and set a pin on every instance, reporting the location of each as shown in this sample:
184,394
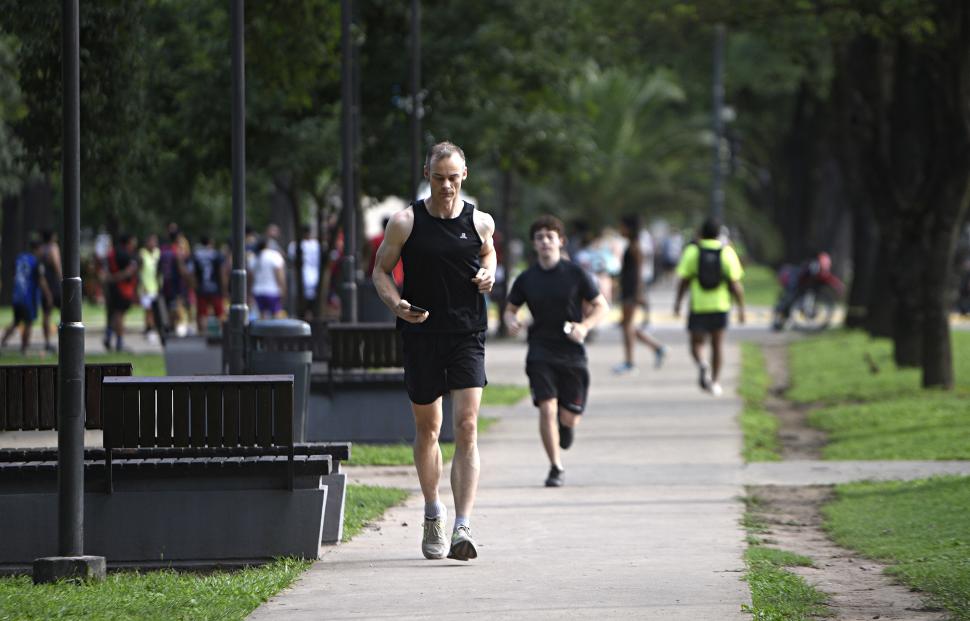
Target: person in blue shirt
29,284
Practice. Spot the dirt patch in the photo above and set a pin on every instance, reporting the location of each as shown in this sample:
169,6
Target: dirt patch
856,586
798,440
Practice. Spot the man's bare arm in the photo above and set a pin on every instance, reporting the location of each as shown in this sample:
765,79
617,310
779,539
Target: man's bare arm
737,292
681,291
511,317
593,312
388,254
485,278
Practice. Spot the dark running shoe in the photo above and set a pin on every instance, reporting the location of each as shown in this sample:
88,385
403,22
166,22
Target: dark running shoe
704,376
555,478
565,436
462,545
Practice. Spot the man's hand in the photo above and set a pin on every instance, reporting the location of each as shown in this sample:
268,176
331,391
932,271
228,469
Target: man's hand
741,314
577,332
403,310
485,280
513,324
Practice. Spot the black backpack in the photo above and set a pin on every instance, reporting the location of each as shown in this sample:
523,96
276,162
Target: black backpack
709,270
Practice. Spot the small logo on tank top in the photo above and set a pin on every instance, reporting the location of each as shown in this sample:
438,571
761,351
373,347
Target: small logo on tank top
462,236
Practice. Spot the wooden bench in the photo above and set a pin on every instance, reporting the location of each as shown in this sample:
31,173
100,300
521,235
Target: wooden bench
28,395
196,469
360,395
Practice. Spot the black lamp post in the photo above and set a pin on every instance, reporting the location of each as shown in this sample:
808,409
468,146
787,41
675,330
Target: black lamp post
238,310
70,359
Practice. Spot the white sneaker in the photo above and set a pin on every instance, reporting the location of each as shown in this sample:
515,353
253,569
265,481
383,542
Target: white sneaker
716,389
463,546
434,543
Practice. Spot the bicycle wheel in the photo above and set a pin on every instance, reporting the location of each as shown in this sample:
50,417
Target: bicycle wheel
813,310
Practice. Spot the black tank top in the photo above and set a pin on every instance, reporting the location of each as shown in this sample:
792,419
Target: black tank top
441,256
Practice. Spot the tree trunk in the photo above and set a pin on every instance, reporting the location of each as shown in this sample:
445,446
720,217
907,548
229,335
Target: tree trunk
882,297
937,358
907,273
865,248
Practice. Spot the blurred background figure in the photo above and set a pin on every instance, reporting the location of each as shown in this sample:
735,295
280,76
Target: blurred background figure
633,296
50,258
310,270
29,291
148,284
210,277
268,280
122,290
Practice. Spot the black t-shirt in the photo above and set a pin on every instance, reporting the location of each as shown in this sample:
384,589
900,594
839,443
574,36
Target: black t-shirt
207,263
554,296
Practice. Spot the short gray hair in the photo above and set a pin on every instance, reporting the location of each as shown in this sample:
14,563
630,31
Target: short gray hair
442,150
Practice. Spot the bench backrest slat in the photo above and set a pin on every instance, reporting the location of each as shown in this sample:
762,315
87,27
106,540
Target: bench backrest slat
48,398
283,425
31,406
247,416
15,398
163,408
130,415
3,401
180,414
230,415
213,415
264,417
197,420
147,416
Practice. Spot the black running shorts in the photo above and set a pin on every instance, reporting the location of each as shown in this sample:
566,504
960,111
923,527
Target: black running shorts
707,322
437,363
567,384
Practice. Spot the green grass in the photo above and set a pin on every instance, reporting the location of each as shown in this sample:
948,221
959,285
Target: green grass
832,368
164,595
157,595
145,365
934,426
400,454
503,394
920,528
760,285
366,503
760,427
93,316
776,594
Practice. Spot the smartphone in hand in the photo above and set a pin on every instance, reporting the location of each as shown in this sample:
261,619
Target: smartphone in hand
417,309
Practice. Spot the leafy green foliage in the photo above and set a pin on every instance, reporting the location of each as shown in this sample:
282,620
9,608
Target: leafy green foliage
223,595
921,527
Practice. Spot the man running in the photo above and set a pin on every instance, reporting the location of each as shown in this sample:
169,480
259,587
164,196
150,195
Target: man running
555,290
713,273
29,289
449,264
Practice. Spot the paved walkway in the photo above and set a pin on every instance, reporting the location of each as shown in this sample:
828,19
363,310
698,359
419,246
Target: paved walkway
618,541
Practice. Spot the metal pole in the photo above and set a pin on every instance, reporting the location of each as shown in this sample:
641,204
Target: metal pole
70,359
349,303
717,177
238,310
416,107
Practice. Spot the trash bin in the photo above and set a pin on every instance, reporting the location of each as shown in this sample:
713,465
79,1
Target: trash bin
283,346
